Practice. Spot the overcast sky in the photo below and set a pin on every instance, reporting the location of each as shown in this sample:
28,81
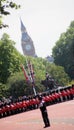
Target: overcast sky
44,20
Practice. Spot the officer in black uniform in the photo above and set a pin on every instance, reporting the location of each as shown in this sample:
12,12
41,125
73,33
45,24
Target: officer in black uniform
42,106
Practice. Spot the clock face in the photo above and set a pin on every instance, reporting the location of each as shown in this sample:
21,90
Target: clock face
28,47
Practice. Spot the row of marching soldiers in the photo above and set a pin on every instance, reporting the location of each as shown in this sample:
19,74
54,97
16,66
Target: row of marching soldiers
31,103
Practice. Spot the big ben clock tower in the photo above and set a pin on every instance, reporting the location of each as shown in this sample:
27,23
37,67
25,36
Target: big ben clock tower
26,42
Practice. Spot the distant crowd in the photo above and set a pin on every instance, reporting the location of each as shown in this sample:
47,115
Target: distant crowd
9,106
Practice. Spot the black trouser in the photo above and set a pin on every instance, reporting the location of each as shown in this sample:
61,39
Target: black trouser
45,118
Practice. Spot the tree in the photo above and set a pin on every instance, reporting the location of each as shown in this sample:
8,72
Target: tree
63,51
10,58
17,85
58,74
3,90
4,5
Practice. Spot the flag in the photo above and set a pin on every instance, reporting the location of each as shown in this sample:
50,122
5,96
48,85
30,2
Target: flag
25,73
31,71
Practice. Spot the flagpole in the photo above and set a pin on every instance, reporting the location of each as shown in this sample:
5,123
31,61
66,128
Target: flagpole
34,90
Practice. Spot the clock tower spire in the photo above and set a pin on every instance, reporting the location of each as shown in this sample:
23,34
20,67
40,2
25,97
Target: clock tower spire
26,42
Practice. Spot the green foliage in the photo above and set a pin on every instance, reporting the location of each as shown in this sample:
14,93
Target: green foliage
4,6
3,90
17,85
70,83
59,74
63,51
10,58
